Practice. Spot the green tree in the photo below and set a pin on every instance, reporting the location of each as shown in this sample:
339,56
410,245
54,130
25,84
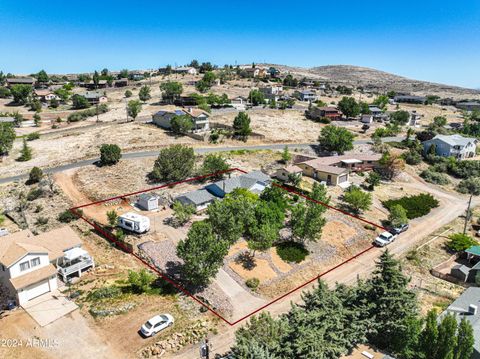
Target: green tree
42,77
458,242
447,339
141,281
286,156
63,93
182,212
128,93
397,216
214,163
7,137
470,186
261,338
202,253
134,107
35,175
373,180
144,93
357,199
391,165
400,117
21,93
256,97
336,139
181,124
25,152
110,154
96,78
241,125
465,340
4,92
307,219
427,343
171,90
349,106
123,74
396,326
112,217
381,102
79,102
174,163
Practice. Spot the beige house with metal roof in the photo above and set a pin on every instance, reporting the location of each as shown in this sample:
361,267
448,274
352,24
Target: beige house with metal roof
29,264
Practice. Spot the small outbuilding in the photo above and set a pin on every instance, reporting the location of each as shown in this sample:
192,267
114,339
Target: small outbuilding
148,201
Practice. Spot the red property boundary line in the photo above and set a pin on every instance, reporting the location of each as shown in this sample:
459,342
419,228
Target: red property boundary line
180,287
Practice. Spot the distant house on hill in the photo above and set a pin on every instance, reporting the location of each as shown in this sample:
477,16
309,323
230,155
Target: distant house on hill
21,81
410,99
306,95
468,106
95,97
316,113
185,70
92,86
272,92
121,82
452,146
200,118
254,72
46,95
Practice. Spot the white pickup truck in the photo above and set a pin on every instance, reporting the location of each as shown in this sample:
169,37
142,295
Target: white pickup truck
384,238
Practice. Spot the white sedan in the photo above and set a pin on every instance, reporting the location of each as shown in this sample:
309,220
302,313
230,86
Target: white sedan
384,238
156,324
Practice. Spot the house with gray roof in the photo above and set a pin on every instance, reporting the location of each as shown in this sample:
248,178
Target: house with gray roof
452,146
200,199
200,118
466,306
306,95
468,105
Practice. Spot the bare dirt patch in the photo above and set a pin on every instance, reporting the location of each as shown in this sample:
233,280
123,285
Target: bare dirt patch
261,270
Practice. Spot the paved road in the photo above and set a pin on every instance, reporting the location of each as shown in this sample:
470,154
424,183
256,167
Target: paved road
199,150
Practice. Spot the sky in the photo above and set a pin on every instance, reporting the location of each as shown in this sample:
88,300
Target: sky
436,41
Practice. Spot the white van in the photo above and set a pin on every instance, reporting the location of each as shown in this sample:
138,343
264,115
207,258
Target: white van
134,222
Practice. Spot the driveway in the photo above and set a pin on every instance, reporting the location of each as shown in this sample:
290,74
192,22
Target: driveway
49,307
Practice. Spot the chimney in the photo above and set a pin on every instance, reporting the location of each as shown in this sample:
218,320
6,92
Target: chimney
190,110
472,309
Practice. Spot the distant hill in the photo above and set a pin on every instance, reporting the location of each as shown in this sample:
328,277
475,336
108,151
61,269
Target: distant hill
378,81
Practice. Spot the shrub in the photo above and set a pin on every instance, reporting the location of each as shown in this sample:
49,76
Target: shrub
41,221
415,205
66,216
470,185
110,154
252,283
431,176
292,251
104,293
35,175
35,193
459,242
33,136
412,157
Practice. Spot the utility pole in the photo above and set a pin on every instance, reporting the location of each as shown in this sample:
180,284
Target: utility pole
467,214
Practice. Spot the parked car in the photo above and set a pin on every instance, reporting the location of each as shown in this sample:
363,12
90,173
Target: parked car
156,324
384,238
399,229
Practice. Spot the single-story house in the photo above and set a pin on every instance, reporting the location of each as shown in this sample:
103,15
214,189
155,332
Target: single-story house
92,86
200,118
316,113
29,264
121,82
468,105
466,307
452,145
283,173
21,81
255,181
410,99
367,118
185,70
334,170
306,95
200,199
46,95
148,201
95,97
377,113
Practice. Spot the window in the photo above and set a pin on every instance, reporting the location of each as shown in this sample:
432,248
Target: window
35,262
24,266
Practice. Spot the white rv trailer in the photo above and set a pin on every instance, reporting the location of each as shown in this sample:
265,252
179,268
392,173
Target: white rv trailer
134,222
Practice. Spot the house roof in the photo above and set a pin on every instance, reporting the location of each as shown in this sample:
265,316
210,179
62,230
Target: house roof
16,245
374,109
93,94
328,108
33,277
148,196
21,80
475,250
293,169
330,160
326,168
460,307
197,197
454,140
42,92
247,181
462,268
7,119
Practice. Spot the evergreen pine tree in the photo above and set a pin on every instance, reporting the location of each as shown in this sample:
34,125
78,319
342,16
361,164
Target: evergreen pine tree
447,339
26,152
465,340
428,338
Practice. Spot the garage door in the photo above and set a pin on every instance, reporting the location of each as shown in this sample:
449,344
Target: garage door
37,289
342,178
